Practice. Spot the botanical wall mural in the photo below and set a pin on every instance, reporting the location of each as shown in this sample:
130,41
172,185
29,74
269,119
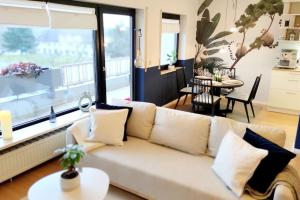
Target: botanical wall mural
208,45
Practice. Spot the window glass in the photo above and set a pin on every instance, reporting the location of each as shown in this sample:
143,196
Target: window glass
42,67
168,47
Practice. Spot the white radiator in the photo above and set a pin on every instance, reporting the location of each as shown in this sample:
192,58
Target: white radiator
24,156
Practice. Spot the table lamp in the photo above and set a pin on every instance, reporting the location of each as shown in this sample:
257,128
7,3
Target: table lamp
6,124
297,142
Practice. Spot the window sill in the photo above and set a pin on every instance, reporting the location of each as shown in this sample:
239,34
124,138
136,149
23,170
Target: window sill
39,129
167,71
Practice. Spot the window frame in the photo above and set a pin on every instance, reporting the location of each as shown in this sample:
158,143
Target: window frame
100,90
173,17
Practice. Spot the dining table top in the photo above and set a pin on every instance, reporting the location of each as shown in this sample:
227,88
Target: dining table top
228,83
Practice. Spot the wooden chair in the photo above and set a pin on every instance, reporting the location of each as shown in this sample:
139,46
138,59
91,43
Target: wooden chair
204,96
232,75
244,98
182,86
228,70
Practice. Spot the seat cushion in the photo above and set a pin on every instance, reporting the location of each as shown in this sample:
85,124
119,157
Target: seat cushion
220,126
238,95
188,90
158,172
180,130
205,98
141,119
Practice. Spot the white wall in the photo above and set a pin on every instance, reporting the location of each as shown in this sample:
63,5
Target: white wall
256,62
188,8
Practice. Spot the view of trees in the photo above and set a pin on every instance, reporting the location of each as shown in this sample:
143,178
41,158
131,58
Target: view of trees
120,45
19,39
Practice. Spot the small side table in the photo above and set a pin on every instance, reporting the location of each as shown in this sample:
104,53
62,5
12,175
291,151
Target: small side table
94,185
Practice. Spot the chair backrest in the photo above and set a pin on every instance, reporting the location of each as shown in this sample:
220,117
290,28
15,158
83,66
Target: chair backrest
181,80
227,70
202,91
254,88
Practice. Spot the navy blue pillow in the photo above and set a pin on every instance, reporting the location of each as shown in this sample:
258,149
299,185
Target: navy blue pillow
276,160
111,107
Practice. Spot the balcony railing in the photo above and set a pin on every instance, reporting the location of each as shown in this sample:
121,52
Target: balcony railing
73,74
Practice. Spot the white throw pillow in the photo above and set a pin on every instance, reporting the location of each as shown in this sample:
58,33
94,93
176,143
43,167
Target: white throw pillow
236,162
220,126
80,131
180,130
141,120
107,126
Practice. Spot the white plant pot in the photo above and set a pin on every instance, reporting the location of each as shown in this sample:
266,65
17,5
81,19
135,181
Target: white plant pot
69,184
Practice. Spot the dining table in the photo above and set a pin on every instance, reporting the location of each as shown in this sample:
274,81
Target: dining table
227,83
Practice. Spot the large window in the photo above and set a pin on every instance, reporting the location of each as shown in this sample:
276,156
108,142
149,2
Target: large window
44,66
169,39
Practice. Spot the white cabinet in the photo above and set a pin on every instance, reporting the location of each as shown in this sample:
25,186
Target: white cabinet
284,93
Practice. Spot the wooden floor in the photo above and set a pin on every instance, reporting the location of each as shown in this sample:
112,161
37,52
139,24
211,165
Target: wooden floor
19,186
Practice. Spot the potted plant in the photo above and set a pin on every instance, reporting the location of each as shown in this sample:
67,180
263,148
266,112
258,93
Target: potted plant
172,58
72,154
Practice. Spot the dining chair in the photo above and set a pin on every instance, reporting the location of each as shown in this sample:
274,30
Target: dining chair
203,95
231,74
244,98
182,87
228,71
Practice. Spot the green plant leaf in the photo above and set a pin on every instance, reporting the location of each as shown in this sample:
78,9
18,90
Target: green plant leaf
204,5
217,44
213,59
212,51
202,26
210,27
217,36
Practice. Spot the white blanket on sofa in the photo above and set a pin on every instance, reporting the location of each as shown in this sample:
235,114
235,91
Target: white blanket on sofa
288,177
79,130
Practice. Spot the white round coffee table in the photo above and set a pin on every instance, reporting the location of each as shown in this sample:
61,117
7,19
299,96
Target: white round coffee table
94,185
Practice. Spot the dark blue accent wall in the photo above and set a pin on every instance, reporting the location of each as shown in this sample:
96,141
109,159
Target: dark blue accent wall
297,142
151,86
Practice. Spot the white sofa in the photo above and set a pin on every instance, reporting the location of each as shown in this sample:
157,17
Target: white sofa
156,171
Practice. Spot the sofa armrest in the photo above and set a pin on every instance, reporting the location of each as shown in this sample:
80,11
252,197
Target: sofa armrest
78,130
283,193
69,136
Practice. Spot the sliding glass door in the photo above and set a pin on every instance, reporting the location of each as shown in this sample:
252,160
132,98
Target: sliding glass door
117,52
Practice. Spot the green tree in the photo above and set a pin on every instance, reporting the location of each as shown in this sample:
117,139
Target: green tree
120,41
22,39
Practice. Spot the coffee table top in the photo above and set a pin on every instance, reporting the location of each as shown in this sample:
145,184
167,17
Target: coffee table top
94,185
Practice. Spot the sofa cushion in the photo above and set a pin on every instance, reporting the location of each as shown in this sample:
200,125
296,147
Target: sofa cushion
158,172
180,130
104,106
107,126
141,119
220,126
236,162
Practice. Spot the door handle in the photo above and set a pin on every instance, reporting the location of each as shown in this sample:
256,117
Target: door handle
103,69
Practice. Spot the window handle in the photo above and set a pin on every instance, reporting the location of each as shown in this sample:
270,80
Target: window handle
103,69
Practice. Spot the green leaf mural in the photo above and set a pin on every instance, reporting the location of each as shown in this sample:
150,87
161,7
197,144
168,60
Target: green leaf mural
203,6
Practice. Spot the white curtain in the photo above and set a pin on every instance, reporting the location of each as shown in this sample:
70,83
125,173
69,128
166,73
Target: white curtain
22,13
37,14
73,17
170,26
